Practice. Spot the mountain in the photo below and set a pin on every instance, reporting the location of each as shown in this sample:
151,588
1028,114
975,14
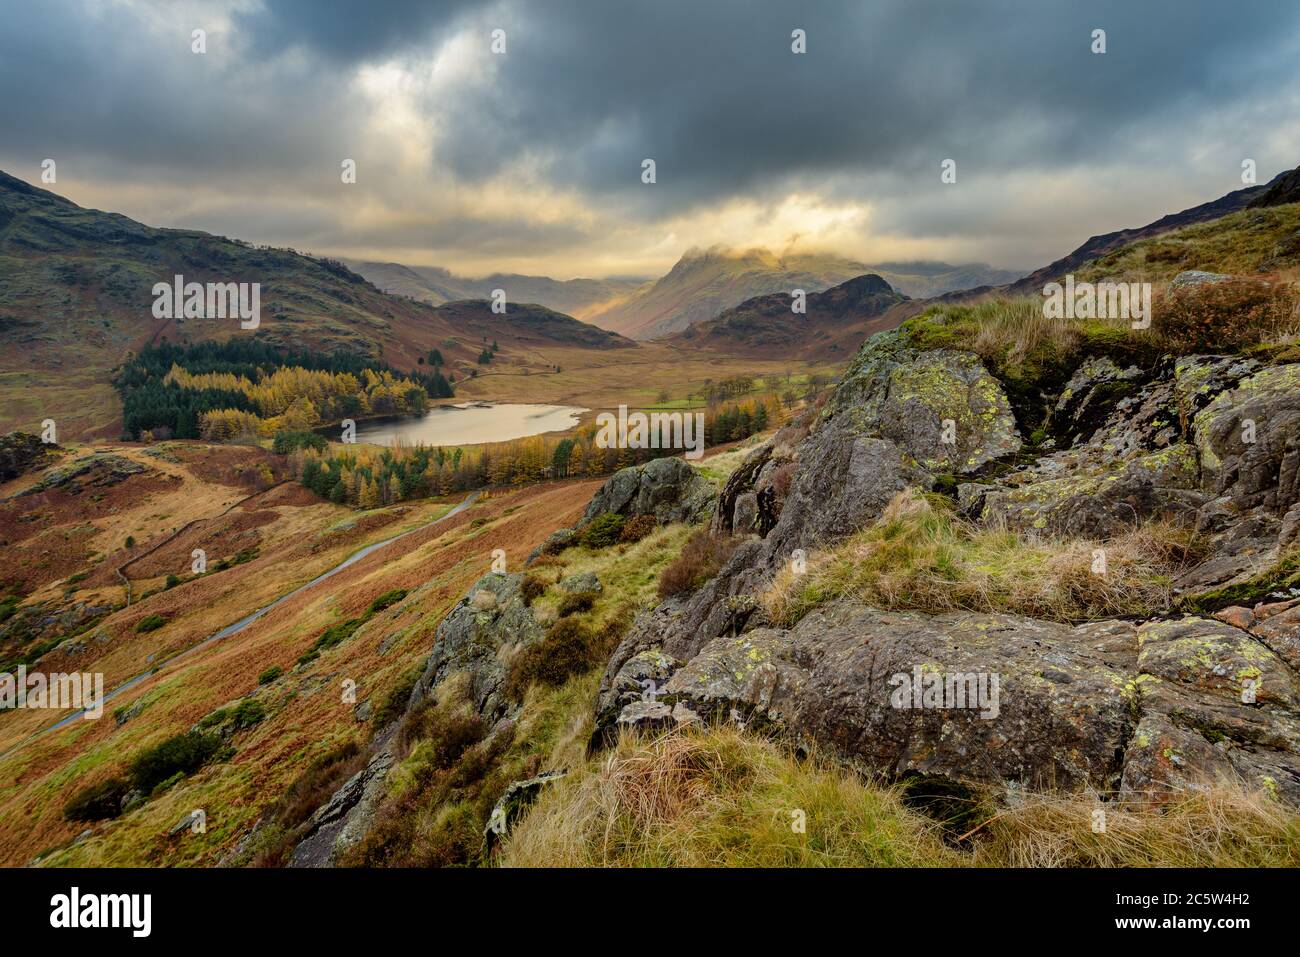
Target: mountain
76,296
926,279
435,285
836,322
1271,193
526,324
703,283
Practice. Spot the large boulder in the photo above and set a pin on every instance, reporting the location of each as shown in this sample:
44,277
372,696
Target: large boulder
941,408
1000,699
476,639
1216,703
1056,708
667,488
1248,439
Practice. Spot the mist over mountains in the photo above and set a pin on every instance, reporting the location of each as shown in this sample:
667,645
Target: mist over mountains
700,286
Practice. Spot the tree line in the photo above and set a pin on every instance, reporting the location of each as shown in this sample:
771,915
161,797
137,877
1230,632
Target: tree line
224,390
368,477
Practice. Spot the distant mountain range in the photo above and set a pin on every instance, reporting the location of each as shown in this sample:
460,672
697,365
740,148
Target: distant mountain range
435,285
700,286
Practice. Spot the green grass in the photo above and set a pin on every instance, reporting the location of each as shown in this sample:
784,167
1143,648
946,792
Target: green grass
920,555
1243,244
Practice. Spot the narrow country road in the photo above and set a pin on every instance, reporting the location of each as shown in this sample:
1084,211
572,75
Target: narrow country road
248,619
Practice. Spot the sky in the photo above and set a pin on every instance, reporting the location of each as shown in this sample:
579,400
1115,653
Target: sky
531,160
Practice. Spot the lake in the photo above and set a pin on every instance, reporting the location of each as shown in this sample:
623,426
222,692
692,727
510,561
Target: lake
469,424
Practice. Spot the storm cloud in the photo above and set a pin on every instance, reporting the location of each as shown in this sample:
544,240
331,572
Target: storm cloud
476,160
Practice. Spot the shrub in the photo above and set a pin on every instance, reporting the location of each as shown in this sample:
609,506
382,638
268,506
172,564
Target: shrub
180,754
569,648
269,675
574,603
150,623
333,635
387,599
1225,316
99,802
782,480
701,558
247,713
308,792
637,527
448,730
602,531
172,581
531,588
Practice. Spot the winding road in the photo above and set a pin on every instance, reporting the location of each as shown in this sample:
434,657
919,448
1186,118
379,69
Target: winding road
247,620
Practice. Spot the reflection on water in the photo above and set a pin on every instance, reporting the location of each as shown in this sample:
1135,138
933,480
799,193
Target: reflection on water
470,424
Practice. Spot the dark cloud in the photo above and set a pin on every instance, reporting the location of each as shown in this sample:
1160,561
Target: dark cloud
713,93
710,90
348,31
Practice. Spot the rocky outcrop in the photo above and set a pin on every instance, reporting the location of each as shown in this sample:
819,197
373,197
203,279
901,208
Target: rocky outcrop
940,408
343,820
99,470
990,699
1140,710
20,453
512,803
475,640
471,648
667,488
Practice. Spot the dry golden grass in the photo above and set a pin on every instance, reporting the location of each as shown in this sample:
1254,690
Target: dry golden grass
920,555
1221,826
718,797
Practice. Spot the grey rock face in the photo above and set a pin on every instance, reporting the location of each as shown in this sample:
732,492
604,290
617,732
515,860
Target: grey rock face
475,638
918,400
585,584
1143,710
512,803
1090,396
1196,277
346,817
667,488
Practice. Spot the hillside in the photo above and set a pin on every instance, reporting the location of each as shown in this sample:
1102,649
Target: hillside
434,285
703,283
77,297
525,325
835,323
1272,193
